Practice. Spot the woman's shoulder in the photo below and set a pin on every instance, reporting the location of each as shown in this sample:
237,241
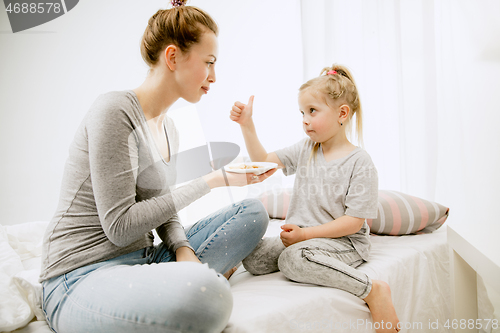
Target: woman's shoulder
116,100
115,105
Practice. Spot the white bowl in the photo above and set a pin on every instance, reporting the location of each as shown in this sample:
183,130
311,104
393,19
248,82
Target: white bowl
257,168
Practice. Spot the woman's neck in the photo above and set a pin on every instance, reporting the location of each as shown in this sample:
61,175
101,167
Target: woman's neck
155,95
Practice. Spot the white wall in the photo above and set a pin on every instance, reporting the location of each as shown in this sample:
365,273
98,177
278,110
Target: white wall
51,74
468,176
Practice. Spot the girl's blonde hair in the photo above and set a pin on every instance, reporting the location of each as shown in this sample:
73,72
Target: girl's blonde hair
180,25
338,86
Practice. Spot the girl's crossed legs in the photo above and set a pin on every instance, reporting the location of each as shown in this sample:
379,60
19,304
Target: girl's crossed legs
327,262
322,261
147,291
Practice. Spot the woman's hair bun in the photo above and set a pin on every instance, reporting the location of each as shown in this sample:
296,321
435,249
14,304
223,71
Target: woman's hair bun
182,26
178,3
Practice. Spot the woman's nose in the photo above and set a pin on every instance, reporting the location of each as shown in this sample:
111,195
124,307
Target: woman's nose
211,77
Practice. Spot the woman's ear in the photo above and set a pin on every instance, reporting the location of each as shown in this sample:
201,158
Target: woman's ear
171,54
344,111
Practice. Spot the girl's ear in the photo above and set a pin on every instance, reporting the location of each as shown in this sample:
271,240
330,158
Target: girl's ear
171,54
344,111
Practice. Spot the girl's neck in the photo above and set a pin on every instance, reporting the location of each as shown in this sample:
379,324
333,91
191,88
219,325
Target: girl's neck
156,95
337,144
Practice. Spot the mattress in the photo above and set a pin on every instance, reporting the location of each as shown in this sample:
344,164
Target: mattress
416,267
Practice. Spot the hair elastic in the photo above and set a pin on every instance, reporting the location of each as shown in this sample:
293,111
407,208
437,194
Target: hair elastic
177,3
332,72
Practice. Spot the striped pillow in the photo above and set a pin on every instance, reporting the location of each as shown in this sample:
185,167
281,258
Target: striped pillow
276,202
398,213
403,214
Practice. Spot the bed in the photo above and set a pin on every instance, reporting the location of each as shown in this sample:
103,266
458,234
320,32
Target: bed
415,266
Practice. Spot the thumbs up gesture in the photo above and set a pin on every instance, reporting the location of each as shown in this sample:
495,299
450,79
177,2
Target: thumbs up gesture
242,113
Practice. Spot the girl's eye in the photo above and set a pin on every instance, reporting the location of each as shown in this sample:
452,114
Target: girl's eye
312,110
302,112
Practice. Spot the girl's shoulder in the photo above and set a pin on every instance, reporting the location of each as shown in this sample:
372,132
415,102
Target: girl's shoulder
361,158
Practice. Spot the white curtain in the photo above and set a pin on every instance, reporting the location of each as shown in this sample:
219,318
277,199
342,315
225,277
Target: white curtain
427,72
390,46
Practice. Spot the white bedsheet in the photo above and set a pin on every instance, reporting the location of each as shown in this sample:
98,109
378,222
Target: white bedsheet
20,250
416,268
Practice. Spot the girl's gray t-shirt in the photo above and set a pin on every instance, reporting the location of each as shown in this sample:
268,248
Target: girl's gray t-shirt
116,189
325,191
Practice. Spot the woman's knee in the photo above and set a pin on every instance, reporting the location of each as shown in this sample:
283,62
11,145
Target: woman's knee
257,212
253,221
181,296
207,303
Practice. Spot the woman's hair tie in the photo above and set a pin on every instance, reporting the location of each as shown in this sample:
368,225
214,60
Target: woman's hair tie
177,3
332,72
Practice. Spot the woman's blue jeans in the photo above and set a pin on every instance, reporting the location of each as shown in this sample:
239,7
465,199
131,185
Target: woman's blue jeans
147,291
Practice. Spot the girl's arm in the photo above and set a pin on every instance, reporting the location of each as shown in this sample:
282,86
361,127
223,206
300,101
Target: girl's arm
343,226
242,114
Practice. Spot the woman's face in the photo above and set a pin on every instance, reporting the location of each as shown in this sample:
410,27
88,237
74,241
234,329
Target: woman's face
196,68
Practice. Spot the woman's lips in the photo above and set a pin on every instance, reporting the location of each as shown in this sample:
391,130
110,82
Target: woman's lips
206,89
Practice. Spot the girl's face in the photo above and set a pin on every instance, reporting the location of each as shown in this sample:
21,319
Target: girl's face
319,120
196,68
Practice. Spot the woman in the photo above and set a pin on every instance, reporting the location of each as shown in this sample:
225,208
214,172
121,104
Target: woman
100,270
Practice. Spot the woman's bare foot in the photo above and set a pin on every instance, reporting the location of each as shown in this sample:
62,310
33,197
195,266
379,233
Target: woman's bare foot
230,272
380,303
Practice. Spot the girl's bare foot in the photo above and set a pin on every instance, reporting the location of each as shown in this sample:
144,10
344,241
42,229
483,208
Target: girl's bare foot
230,272
380,303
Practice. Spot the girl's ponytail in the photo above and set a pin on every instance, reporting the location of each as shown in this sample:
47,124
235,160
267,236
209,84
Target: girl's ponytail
343,84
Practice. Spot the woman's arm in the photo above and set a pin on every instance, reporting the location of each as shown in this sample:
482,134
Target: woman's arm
113,139
113,143
343,226
242,114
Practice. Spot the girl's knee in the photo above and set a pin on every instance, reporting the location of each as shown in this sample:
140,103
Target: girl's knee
256,266
292,263
264,258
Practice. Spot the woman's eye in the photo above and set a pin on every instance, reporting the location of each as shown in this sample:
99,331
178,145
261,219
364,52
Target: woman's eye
210,63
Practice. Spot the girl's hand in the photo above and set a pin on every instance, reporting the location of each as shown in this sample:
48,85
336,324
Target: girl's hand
221,178
242,113
292,234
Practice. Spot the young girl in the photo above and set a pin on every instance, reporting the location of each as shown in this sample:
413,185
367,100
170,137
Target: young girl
100,270
336,187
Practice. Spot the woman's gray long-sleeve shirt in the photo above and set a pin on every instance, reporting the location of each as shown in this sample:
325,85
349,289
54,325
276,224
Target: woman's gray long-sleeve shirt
116,188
